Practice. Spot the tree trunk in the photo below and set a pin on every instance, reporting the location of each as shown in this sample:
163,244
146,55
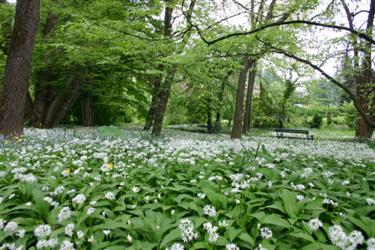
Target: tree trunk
238,113
154,104
18,65
363,130
65,106
42,87
249,98
210,128
217,127
87,111
163,97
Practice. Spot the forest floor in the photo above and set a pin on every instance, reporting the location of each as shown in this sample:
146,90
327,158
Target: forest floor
118,188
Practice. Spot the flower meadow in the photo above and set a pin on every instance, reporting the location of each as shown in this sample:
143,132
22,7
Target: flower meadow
66,190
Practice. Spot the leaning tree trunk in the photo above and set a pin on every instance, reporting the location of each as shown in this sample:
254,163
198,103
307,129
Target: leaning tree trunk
238,113
363,130
18,65
249,98
163,97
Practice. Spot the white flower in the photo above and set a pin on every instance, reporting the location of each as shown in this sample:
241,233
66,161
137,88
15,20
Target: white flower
307,172
223,223
300,197
265,233
67,245
370,201
69,230
80,234
106,232
136,189
315,224
209,210
109,196
51,243
90,210
187,230
176,246
42,231
2,223
21,233
201,195
371,244
64,214
79,199
212,232
129,238
231,246
11,226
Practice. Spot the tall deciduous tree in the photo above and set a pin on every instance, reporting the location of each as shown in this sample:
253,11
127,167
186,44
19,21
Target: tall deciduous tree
18,65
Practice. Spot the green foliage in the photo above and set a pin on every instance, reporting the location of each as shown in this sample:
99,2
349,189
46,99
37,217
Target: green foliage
350,114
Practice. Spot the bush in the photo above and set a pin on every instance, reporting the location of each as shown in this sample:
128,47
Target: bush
350,115
316,122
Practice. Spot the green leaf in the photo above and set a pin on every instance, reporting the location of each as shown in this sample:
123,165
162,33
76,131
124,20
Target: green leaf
172,236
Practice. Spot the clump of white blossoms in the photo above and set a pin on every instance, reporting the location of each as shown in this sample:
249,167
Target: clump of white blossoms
69,230
136,189
67,245
231,246
370,201
79,199
300,197
186,227
265,233
343,241
176,246
209,210
109,196
11,226
371,244
212,232
315,224
306,172
64,214
90,210
51,243
42,231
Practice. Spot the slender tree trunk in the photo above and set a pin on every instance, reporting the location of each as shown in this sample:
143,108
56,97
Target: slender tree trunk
154,104
249,98
217,127
210,128
163,97
365,85
238,113
87,111
18,64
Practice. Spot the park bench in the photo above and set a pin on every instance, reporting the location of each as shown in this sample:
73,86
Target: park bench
281,131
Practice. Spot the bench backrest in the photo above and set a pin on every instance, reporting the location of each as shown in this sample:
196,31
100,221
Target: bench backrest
296,131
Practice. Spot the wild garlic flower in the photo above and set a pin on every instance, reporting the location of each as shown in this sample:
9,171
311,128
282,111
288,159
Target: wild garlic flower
212,232
109,196
265,233
42,231
315,224
186,227
11,226
176,246
209,210
79,199
231,246
67,245
69,229
64,214
50,243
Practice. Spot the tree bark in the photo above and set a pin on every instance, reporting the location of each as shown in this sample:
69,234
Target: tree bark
163,97
154,103
87,111
210,128
249,98
363,130
18,65
238,113
217,127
